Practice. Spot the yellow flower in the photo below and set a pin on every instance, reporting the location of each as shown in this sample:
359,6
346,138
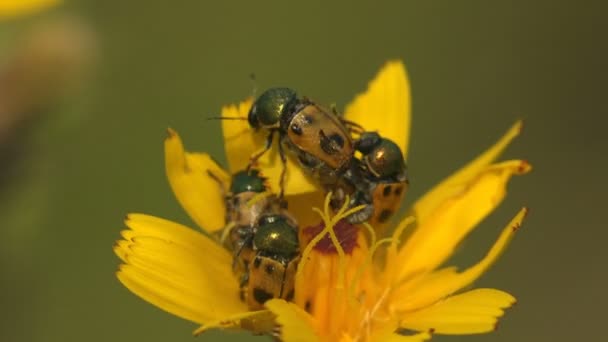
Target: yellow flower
349,286
14,8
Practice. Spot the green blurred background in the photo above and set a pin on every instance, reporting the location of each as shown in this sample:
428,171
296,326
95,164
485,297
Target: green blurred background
475,67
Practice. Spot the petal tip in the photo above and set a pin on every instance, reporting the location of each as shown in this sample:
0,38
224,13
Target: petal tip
524,167
171,133
395,63
199,331
518,222
525,210
518,126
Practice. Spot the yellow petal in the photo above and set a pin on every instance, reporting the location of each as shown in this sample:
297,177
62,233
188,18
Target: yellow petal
257,322
241,142
435,238
11,8
300,206
386,105
295,324
393,337
458,181
178,270
472,312
444,282
199,194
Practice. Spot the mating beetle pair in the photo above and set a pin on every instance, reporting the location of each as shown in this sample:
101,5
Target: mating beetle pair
263,237
323,143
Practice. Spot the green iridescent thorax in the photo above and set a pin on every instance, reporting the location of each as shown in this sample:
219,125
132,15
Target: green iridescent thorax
276,235
268,109
385,159
247,181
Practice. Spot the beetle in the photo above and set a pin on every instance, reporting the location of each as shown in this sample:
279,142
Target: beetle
271,274
262,236
379,178
317,137
246,199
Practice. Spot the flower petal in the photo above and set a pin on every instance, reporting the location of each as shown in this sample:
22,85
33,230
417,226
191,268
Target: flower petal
178,270
435,238
199,194
472,312
386,105
458,181
295,324
444,282
257,322
300,206
393,337
241,142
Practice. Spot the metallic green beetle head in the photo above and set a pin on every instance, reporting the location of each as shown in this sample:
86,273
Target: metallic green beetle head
247,181
276,235
384,159
273,104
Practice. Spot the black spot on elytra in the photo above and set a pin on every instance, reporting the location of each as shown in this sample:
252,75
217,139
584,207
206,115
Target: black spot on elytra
387,191
384,215
398,190
297,130
242,295
309,119
290,295
337,138
257,262
269,269
307,306
261,295
331,144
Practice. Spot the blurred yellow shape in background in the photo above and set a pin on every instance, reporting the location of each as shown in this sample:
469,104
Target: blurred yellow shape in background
14,8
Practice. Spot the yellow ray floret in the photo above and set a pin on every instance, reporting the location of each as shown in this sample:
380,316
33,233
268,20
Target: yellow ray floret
472,312
385,106
435,239
198,193
178,270
294,323
459,180
430,288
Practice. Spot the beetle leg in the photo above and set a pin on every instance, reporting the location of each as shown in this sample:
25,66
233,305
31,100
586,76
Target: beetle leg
352,126
283,171
254,158
247,241
219,183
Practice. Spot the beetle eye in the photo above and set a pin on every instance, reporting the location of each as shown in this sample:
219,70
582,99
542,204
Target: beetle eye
296,129
252,118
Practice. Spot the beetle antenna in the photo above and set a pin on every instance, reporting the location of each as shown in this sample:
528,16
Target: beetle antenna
227,118
254,84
